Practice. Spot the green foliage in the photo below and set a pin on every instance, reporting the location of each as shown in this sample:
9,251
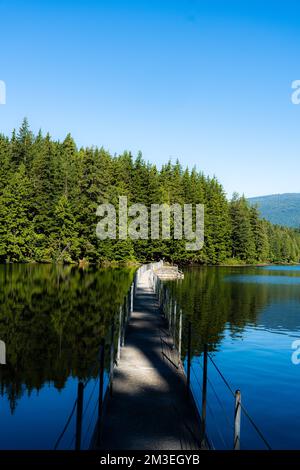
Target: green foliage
243,242
17,236
49,193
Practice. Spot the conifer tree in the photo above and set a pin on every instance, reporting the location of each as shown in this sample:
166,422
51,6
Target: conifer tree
17,237
50,190
243,244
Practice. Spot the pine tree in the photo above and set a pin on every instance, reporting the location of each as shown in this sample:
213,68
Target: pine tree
42,177
17,238
260,234
243,245
65,237
5,162
22,145
50,190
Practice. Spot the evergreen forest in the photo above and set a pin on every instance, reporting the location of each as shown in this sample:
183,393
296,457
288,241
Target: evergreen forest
50,190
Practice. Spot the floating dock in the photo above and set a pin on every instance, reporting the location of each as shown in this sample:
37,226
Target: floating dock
149,408
168,272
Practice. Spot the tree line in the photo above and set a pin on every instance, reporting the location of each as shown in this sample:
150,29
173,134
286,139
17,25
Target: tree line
50,190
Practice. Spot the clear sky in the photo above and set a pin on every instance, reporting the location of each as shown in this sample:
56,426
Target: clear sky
205,81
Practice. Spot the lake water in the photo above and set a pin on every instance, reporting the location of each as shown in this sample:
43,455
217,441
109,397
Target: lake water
52,319
250,318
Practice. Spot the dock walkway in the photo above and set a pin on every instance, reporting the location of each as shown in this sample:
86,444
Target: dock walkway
149,408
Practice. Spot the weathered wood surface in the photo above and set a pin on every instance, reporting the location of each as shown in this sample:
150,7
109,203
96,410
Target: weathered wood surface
149,409
168,272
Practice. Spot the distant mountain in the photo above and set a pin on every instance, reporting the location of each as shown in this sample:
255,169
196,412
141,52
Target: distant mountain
282,209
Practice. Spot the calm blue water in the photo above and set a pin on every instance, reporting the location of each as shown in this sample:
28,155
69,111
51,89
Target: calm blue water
251,317
52,319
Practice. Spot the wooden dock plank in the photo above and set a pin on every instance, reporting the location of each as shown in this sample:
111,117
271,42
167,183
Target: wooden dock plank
149,409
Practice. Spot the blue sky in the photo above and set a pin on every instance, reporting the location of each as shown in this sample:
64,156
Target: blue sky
208,82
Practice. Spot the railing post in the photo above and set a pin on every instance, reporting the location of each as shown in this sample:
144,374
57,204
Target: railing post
237,420
80,389
166,303
204,394
101,387
160,294
189,356
180,337
174,323
119,335
125,315
112,352
125,308
124,321
134,283
131,299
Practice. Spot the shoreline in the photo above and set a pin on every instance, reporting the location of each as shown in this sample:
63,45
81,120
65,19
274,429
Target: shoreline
134,264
